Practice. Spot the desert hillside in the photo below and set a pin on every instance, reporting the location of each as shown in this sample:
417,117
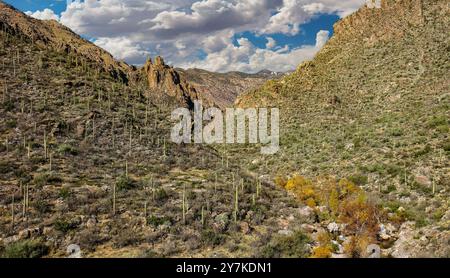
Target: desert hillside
86,159
373,106
363,167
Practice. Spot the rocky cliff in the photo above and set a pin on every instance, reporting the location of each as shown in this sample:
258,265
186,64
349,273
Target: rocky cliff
164,79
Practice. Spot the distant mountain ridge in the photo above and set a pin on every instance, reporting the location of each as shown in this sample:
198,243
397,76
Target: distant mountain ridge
224,88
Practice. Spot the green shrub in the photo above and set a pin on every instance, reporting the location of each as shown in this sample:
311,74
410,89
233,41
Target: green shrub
446,146
158,221
210,237
11,123
64,225
46,178
437,121
292,246
124,183
427,149
64,192
389,189
396,132
67,149
8,105
25,249
359,179
6,167
41,206
150,254
161,194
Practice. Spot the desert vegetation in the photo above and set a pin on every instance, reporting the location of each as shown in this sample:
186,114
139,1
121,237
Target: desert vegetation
85,155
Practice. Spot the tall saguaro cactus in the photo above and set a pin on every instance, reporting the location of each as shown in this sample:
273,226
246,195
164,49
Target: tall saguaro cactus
114,199
12,212
184,205
236,204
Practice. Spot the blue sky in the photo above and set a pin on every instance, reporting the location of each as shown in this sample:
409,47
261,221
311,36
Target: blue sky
215,35
33,5
307,35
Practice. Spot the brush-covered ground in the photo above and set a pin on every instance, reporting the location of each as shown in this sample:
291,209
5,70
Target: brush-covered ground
373,107
363,163
87,160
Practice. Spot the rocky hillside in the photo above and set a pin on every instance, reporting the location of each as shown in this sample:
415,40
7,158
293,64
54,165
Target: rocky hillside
373,106
85,159
223,88
52,35
363,169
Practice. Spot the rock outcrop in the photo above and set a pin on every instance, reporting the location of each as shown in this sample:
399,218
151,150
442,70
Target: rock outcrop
165,79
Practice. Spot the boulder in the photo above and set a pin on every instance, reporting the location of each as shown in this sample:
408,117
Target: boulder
334,228
307,214
244,227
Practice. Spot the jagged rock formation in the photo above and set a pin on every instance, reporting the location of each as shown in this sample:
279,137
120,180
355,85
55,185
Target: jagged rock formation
53,35
165,79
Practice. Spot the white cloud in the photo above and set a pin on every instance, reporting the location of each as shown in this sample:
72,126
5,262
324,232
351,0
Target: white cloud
184,32
293,13
246,57
45,14
110,18
288,18
271,43
322,38
123,49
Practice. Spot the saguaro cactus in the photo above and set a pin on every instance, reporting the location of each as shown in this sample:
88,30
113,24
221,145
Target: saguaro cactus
236,204
5,90
50,161
203,217
45,144
131,137
12,211
184,205
164,148
114,199
145,213
113,135
258,188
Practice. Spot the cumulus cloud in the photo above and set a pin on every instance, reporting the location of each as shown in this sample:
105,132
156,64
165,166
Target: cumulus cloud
111,18
322,38
288,18
45,14
246,57
123,49
208,16
202,33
